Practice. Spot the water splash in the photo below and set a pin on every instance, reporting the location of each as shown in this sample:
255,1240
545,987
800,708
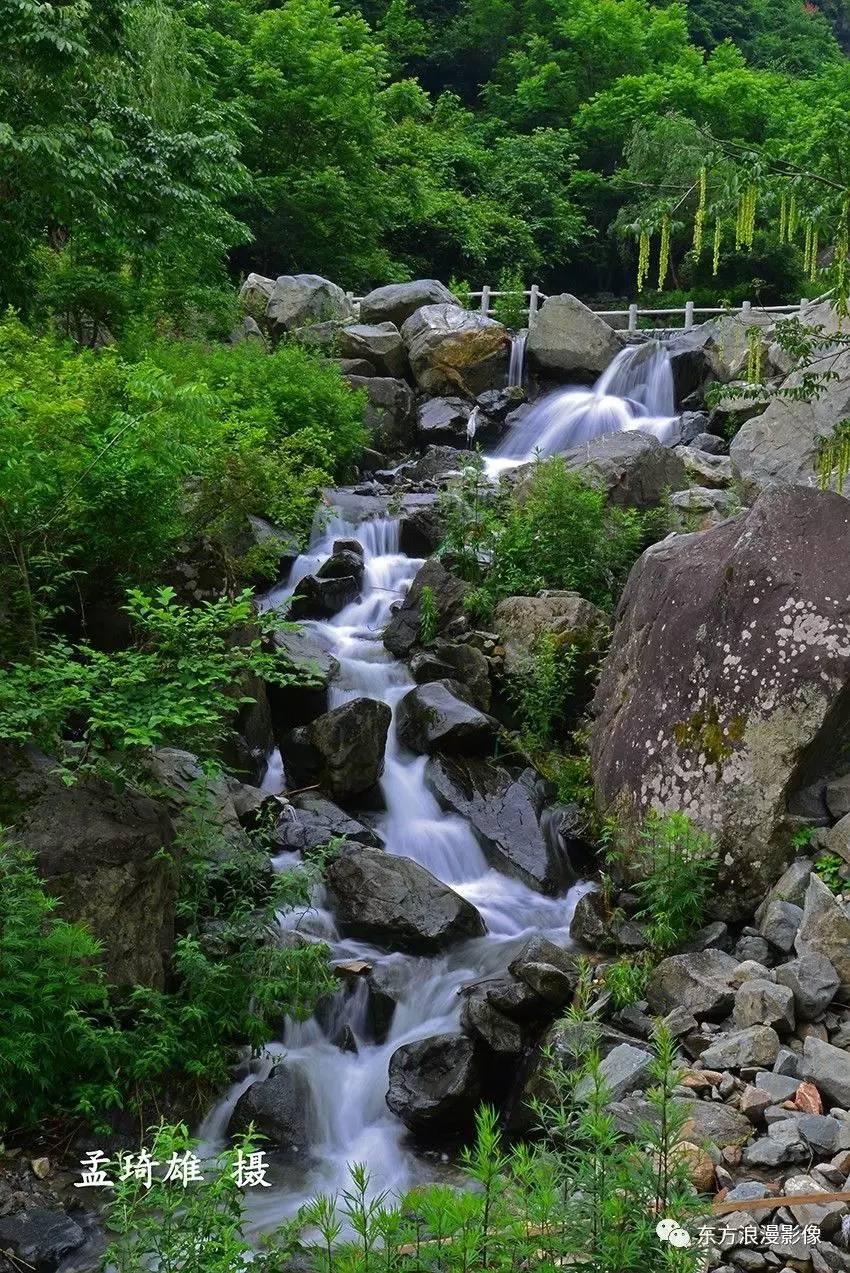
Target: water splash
636,392
516,368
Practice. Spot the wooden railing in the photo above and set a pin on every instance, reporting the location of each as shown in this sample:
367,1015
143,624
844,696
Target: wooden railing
534,298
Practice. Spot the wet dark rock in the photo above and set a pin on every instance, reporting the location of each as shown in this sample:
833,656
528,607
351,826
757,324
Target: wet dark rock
390,412
317,598
344,563
309,821
396,903
726,687
434,464
483,1015
431,718
434,1084
497,404
403,630
40,1237
691,363
550,971
298,704
279,1108
342,751
443,421
598,929
504,811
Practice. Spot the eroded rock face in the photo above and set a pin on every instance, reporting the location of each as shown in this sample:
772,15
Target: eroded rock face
725,688
455,350
396,902
300,299
568,337
434,1084
101,853
397,301
522,621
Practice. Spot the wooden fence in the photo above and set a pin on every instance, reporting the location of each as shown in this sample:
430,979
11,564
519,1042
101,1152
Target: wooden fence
534,298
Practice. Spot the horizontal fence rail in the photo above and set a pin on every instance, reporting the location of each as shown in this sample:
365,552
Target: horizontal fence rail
534,298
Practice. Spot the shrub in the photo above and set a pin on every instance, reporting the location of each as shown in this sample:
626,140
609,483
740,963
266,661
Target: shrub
673,866
541,688
428,616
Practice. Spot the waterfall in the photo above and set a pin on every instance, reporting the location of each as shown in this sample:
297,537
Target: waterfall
636,392
516,369
349,1118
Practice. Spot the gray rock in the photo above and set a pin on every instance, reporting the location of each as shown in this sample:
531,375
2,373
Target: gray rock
820,1131
760,691
431,718
403,630
710,443
828,1068
39,1237
567,337
300,703
522,621
395,302
443,420
395,902
764,1003
757,1045
622,1070
790,887
752,949
699,982
838,796
316,598
837,839
826,1216
434,1084
769,1152
780,1087
595,928
825,928
297,300
455,350
378,343
704,468
779,924
254,294
714,1122
634,468
813,982
390,412
487,1015
551,971
343,750
279,1108
503,811
309,821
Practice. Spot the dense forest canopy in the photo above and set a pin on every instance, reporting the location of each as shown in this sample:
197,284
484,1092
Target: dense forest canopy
149,147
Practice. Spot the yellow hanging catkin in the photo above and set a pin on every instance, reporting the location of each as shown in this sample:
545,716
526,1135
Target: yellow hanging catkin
807,250
718,238
792,217
643,259
813,255
749,216
783,220
699,219
842,250
664,251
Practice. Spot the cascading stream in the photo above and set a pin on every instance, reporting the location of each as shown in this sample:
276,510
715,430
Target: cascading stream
349,1118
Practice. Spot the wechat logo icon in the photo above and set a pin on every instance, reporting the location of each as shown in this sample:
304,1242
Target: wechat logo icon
671,1231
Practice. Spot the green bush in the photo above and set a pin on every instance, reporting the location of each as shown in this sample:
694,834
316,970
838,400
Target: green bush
541,689
111,461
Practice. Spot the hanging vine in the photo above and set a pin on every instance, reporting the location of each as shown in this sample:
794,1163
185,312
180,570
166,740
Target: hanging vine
699,218
755,355
664,250
643,259
718,239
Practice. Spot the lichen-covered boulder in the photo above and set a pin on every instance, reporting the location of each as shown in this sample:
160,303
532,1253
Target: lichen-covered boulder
567,337
522,621
455,350
726,687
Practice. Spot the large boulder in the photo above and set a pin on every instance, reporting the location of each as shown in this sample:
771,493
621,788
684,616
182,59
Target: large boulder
403,630
726,341
343,750
254,294
395,302
691,364
568,338
390,411
464,664
505,814
278,1107
107,856
307,697
700,982
395,902
455,350
825,929
379,343
298,300
432,718
40,1238
634,468
725,690
780,447
522,621
434,1084
317,598
443,420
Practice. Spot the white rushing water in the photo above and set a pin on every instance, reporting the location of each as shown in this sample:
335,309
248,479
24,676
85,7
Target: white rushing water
636,392
516,367
349,1119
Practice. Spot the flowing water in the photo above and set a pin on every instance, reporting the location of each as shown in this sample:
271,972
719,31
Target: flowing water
516,367
636,392
349,1118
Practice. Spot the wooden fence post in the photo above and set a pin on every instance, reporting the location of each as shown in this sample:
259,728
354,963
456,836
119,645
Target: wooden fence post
533,302
485,300
633,311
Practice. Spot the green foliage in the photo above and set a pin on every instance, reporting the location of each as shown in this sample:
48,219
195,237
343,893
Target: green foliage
561,534
177,685
627,979
511,307
672,867
112,462
582,1190
832,869
541,689
428,615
